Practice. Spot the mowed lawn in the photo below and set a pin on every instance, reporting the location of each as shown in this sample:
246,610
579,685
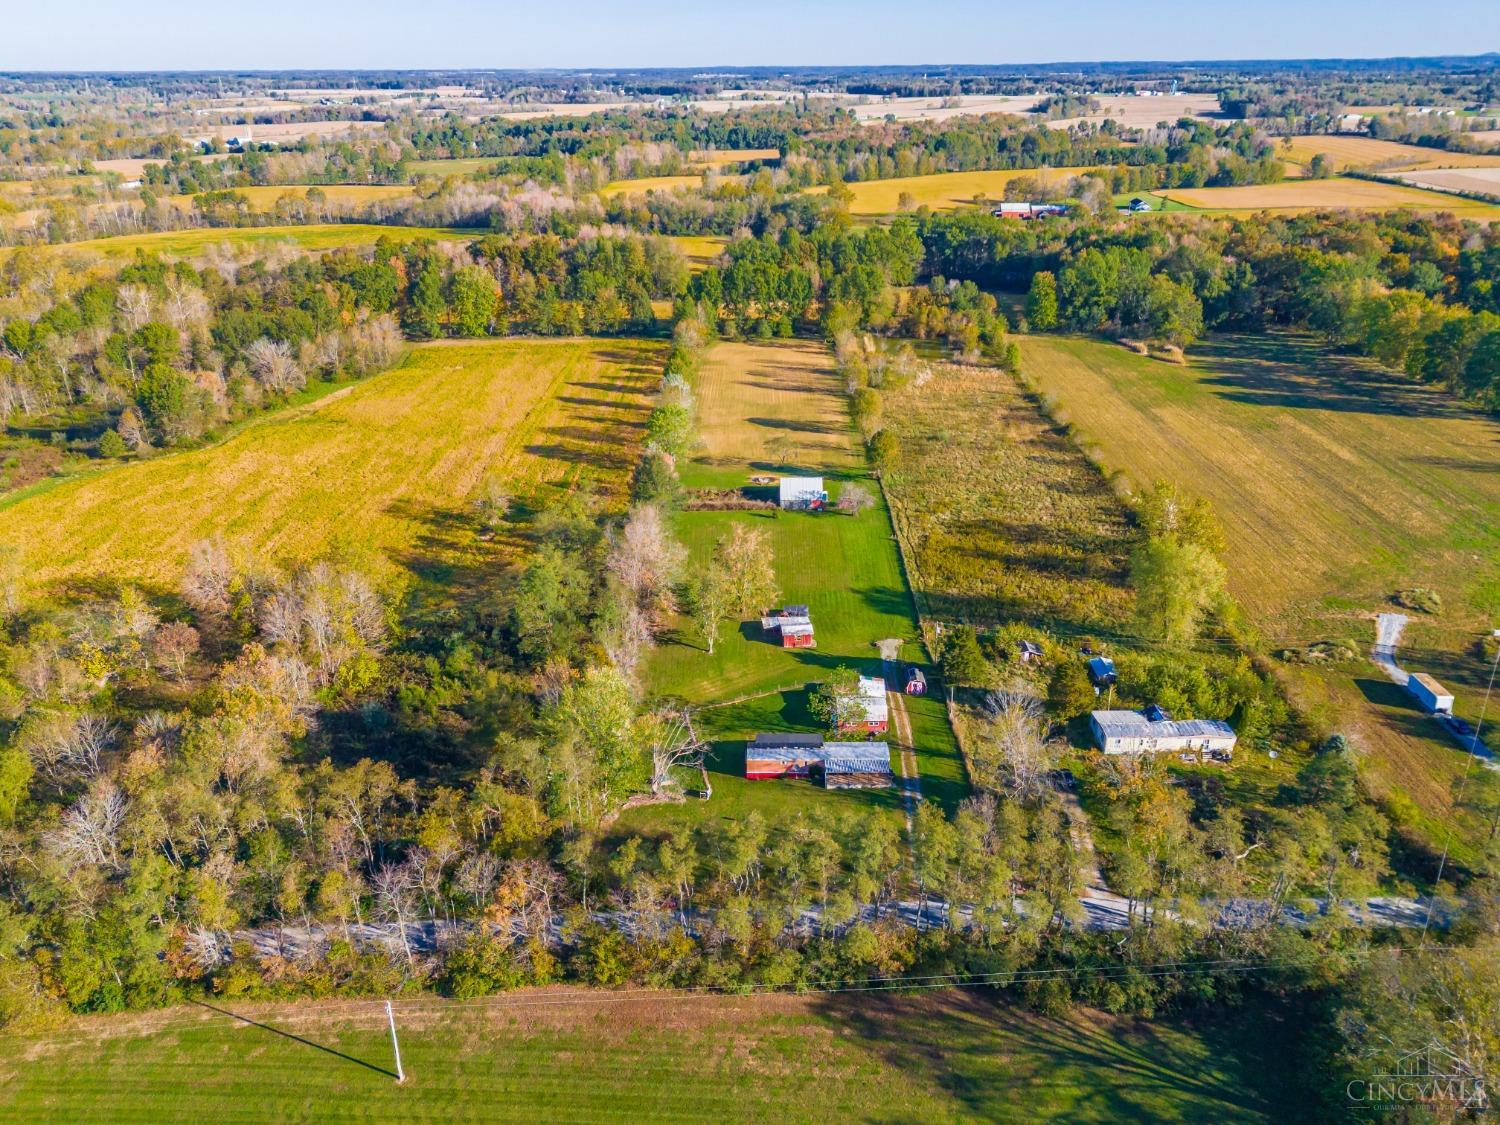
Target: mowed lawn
1337,484
311,236
943,191
380,467
573,1055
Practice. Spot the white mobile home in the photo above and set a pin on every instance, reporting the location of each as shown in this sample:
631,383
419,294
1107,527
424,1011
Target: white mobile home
1131,732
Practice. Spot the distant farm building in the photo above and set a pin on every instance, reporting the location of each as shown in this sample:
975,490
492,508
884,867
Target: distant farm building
1429,693
1020,210
803,494
916,681
840,765
1135,732
1030,651
1102,671
1139,204
792,625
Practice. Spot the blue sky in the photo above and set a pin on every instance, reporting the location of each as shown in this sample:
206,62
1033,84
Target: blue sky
271,34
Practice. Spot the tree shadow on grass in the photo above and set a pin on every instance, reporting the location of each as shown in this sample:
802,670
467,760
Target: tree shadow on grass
298,1039
1297,372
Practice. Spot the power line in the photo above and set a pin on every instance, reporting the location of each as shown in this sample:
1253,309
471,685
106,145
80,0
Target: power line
1458,797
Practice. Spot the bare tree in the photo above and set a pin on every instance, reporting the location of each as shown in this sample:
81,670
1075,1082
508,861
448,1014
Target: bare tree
209,576
672,741
627,643
646,558
855,498
68,747
1013,744
89,831
274,366
395,887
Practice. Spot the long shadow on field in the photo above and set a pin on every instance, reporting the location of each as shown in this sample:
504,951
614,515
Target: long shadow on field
1297,372
297,1039
995,1060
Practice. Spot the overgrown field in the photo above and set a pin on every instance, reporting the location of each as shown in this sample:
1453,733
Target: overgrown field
650,183
312,236
578,1056
1003,518
944,191
1337,484
381,467
1372,154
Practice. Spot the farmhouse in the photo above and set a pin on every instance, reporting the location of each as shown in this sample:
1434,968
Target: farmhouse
792,624
1134,732
1020,210
1030,651
1102,671
877,712
803,494
1429,693
841,765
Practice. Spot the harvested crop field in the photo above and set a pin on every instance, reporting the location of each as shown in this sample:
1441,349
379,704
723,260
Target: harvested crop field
576,1055
751,395
944,191
646,184
1137,112
381,466
1373,155
1336,193
1000,516
719,157
1480,181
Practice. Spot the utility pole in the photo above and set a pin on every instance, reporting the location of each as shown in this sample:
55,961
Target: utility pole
395,1043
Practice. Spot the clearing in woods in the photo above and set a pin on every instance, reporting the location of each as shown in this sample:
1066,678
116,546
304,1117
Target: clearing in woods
1337,483
380,467
641,186
769,410
593,1056
944,191
1373,155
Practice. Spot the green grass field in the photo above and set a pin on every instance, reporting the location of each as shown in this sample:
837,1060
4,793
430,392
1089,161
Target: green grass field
381,467
1337,484
566,1054
313,236
460,166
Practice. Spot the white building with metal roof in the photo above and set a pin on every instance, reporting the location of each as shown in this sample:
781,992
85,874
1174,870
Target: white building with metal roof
1130,732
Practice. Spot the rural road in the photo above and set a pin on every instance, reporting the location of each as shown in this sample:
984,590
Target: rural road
1388,630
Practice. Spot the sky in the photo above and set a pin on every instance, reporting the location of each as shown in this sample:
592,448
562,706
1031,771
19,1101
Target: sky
417,34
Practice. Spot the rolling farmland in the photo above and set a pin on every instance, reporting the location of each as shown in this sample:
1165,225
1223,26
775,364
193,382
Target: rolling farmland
372,468
944,191
1482,181
1336,483
595,1056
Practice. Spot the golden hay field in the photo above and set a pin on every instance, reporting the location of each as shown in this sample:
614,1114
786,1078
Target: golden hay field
337,195
310,236
1143,113
650,183
1367,152
944,191
1291,196
718,158
752,393
700,249
377,467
